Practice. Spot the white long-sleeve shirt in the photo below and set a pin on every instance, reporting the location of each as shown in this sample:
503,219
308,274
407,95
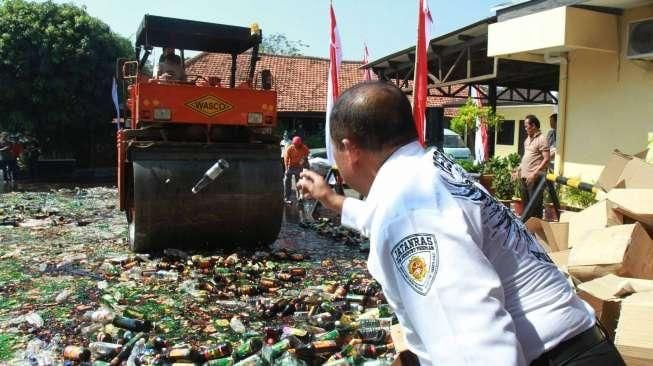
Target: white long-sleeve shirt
468,283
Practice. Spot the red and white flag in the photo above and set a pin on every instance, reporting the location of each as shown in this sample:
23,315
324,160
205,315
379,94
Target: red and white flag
367,73
420,80
481,147
335,57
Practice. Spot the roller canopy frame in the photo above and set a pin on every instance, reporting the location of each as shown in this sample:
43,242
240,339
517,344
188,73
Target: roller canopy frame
157,31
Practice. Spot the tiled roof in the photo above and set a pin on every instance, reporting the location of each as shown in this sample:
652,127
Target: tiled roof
300,81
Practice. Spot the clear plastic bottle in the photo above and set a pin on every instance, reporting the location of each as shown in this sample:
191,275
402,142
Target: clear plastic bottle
137,351
104,349
135,273
164,275
102,316
237,325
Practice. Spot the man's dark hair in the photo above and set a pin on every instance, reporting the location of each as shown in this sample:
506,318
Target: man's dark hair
374,115
554,117
533,120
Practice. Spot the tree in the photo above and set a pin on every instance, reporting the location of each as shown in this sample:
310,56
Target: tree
278,44
465,118
56,69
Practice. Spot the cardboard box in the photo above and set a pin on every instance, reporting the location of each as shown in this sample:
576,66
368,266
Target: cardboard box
597,216
611,173
598,294
561,259
554,234
636,204
626,171
605,295
613,286
625,250
636,174
565,216
634,333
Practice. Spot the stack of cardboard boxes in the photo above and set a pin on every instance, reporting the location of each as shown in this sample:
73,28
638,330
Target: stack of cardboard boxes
607,251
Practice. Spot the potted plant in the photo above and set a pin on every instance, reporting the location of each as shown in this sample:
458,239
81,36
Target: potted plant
503,186
490,168
517,203
471,168
512,162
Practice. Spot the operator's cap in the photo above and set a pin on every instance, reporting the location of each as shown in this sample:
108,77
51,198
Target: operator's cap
296,140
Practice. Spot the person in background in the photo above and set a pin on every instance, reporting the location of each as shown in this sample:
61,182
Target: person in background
16,151
533,164
466,280
170,66
295,159
283,144
551,138
5,156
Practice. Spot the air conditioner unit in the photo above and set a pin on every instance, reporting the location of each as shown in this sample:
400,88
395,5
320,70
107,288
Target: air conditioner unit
640,40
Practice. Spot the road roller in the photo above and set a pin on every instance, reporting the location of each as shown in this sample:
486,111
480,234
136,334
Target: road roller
198,160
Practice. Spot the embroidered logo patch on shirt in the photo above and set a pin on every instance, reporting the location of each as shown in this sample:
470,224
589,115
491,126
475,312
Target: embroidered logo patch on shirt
416,258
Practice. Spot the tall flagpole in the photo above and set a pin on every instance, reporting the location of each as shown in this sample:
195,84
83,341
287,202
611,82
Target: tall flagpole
335,58
367,73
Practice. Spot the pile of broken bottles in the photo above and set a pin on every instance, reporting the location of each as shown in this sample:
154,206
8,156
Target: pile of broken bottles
326,227
258,309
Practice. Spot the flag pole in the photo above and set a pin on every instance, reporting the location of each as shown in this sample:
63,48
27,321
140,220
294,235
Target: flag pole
335,58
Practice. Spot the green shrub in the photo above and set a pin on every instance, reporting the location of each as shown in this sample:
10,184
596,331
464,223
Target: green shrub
470,166
576,198
494,165
513,160
504,187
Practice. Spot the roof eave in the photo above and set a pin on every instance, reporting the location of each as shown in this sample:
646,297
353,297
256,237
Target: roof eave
376,62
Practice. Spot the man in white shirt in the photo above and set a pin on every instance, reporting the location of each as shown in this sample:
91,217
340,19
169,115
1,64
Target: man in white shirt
468,283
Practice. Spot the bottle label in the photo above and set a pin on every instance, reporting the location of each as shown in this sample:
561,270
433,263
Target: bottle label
179,353
325,346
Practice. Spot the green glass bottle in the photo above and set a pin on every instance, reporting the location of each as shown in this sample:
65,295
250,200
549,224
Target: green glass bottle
331,335
185,354
217,351
384,311
135,325
247,348
347,350
253,360
328,307
273,351
226,361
